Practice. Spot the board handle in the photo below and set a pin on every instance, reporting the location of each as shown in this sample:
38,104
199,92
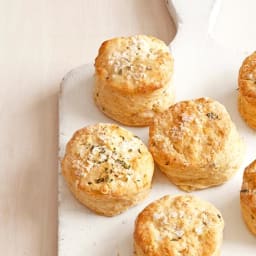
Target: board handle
194,19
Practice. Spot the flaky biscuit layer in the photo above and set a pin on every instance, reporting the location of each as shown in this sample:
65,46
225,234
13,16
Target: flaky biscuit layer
196,144
133,79
247,90
107,168
181,225
248,197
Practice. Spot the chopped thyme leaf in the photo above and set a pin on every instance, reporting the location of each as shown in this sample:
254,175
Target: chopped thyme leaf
129,150
212,116
139,150
99,180
175,239
102,150
123,163
122,137
219,216
89,183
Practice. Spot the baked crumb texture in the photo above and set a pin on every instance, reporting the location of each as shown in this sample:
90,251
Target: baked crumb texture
107,168
248,197
247,90
196,144
182,225
133,79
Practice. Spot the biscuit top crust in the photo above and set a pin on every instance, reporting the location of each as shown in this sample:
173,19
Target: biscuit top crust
182,225
190,133
247,77
134,64
107,159
248,190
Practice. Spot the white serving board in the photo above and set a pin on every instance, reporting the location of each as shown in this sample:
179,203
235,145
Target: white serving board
204,66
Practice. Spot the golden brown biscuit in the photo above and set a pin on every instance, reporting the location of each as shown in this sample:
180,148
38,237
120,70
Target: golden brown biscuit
196,144
247,90
133,79
107,168
248,197
178,226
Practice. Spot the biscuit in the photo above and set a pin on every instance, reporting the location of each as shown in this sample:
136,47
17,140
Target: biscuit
133,79
248,197
196,144
178,226
247,90
107,168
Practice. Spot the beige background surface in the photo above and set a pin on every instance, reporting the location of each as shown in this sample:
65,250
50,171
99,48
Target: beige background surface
40,42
